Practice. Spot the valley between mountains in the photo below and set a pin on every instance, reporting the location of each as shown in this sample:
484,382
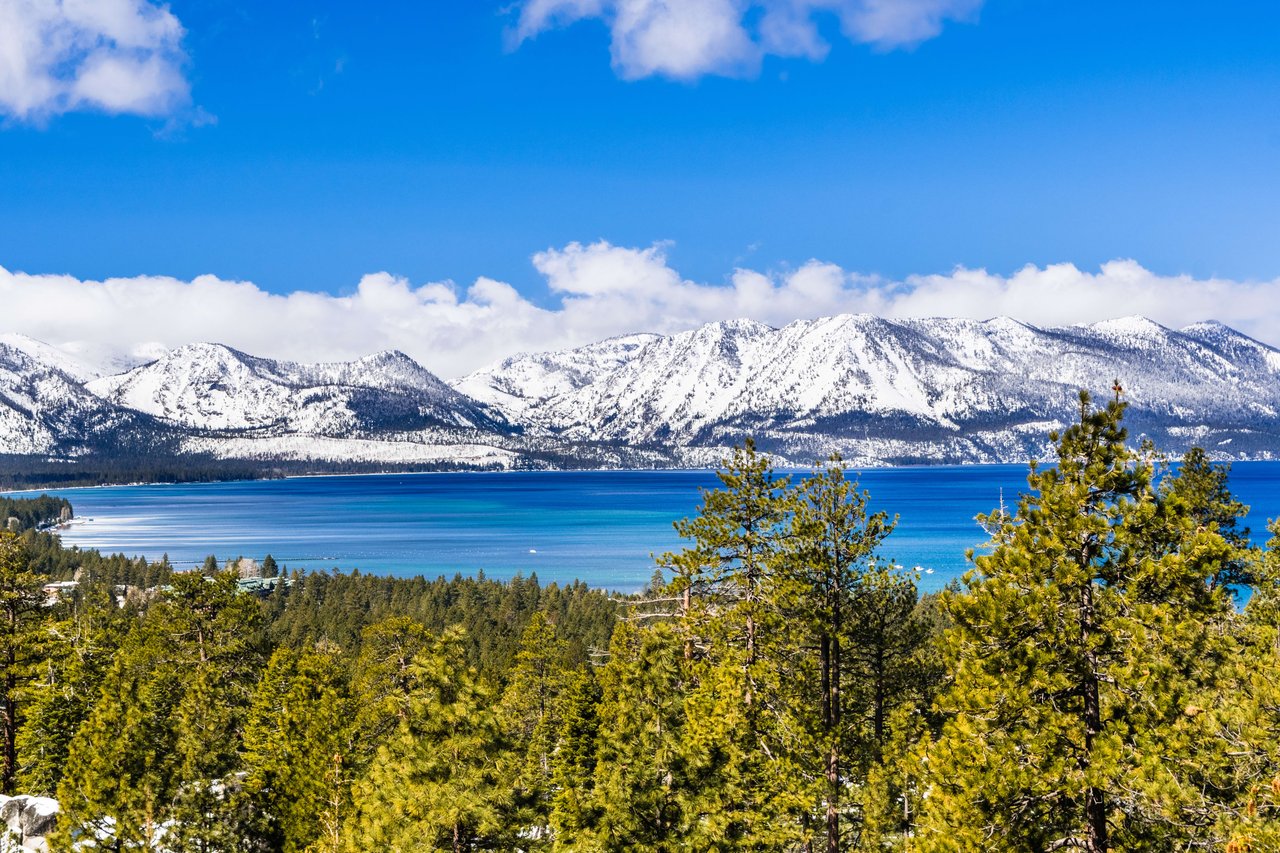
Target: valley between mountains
878,391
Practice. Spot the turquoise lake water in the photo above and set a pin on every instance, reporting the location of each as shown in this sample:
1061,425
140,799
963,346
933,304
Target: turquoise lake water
601,526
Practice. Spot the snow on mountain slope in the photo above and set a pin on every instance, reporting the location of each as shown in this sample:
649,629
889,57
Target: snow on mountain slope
523,381
211,387
877,391
951,389
51,356
44,409
327,449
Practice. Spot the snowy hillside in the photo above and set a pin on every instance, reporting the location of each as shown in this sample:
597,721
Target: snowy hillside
522,382
50,356
878,391
44,408
911,390
210,387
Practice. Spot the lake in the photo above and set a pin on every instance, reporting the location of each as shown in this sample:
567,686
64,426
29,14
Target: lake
598,526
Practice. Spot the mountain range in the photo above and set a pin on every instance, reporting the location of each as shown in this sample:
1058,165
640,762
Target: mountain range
878,391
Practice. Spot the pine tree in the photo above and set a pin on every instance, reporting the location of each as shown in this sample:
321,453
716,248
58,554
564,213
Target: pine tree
890,676
293,752
1076,651
385,679
1245,716
531,712
1201,493
573,808
206,725
215,630
20,600
59,698
725,578
728,584
637,796
852,615
121,766
147,765
441,782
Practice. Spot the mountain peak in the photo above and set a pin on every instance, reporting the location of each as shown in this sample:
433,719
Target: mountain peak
1213,329
1134,325
877,391
50,356
209,386
205,349
388,356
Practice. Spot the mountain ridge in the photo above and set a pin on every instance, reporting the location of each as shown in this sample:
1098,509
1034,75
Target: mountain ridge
876,390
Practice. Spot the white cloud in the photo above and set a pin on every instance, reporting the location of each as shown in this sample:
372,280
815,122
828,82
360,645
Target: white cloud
685,39
116,56
603,290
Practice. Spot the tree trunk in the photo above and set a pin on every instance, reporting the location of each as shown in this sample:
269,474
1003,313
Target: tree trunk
834,709
878,709
9,720
1095,800
833,775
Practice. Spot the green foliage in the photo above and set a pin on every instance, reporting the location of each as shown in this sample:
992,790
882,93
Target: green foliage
573,806
21,639
385,679
122,763
294,747
853,628
1090,686
78,651
338,608
33,512
798,646
1076,656
441,781
634,802
531,712
730,618
163,732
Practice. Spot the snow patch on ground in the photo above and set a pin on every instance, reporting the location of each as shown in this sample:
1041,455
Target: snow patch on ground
322,449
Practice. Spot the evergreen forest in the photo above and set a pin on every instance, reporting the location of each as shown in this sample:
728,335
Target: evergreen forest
1106,677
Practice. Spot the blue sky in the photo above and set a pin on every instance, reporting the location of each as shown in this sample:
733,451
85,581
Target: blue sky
307,144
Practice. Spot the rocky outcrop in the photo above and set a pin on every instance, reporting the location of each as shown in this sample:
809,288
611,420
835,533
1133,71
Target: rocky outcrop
25,822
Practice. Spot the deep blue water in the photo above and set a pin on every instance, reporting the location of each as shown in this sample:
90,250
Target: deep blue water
601,526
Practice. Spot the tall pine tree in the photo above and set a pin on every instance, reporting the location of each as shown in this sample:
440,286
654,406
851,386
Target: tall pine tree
294,743
1075,654
442,780
830,588
20,600
738,726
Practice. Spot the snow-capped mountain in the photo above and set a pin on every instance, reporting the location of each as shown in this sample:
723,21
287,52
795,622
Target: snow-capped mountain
523,382
213,388
45,408
878,391
51,356
898,391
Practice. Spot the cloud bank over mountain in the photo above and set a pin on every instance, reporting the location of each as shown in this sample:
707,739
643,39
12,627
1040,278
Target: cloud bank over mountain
691,38
598,290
